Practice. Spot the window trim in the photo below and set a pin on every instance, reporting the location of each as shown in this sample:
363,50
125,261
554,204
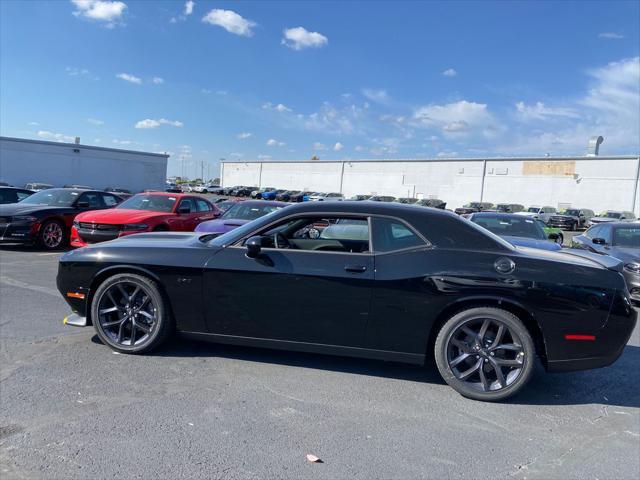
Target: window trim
427,244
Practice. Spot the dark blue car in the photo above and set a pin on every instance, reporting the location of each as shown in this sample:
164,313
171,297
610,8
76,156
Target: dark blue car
518,230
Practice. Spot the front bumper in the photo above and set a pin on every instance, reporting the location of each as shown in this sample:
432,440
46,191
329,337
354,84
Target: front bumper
19,232
633,284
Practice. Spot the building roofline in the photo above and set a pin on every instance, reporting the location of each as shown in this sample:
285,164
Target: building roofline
448,159
80,145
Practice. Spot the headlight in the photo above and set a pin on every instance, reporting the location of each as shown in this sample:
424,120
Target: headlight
633,268
135,226
25,218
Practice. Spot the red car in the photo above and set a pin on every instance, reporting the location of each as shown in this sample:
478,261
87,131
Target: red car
145,212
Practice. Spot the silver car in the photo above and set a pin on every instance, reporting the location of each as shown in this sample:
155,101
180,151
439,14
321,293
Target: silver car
540,213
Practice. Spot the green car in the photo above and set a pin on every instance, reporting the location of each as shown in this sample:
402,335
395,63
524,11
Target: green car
549,230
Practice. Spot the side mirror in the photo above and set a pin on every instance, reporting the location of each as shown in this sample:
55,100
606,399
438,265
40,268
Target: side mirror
83,205
554,236
599,241
184,210
254,245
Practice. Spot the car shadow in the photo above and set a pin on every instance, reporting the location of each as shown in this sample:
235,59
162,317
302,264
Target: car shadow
616,385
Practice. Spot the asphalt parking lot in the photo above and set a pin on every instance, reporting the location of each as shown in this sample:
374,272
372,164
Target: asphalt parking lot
71,408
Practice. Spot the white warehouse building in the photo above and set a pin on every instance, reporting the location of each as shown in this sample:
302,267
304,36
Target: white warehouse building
595,182
23,161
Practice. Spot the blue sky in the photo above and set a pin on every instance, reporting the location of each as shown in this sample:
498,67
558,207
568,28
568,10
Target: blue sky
206,80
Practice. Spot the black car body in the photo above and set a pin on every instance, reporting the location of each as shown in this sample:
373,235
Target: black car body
473,207
394,280
242,191
571,219
360,198
381,198
46,217
120,192
13,194
620,240
287,196
509,207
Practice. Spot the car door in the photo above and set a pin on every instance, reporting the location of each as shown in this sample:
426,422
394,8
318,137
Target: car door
206,211
188,214
317,292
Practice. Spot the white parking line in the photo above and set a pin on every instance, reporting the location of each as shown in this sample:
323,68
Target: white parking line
47,254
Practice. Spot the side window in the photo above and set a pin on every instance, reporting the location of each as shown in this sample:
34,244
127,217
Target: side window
390,235
187,203
94,199
203,206
110,200
8,196
605,232
319,234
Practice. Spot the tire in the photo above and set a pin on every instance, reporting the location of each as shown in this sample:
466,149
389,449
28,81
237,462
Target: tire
115,327
455,358
560,239
574,226
52,235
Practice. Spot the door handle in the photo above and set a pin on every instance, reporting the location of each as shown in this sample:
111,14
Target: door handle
355,268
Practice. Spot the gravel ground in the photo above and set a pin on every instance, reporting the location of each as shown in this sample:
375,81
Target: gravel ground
71,408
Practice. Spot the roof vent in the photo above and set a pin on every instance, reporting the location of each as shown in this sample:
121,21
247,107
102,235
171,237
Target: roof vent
594,146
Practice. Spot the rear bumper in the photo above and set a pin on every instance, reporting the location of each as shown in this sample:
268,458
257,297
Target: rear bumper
608,345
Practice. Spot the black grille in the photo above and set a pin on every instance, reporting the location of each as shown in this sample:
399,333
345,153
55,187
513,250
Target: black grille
100,226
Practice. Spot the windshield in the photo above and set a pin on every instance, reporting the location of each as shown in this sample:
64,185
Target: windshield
153,203
511,226
57,198
627,237
242,211
473,205
573,213
533,209
612,215
241,231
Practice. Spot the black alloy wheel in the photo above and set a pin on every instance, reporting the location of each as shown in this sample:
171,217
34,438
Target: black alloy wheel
52,235
129,314
485,353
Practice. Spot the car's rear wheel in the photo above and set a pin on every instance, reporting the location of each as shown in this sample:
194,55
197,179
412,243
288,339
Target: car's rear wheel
560,239
52,235
485,353
129,313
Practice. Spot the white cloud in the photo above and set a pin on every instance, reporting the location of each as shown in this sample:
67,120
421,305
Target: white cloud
447,154
206,91
299,38
278,108
272,142
243,135
55,137
95,121
458,118
106,11
221,92
151,123
230,21
611,36
34,124
376,95
76,72
264,157
122,142
319,146
157,80
359,148
540,111
450,72
337,147
188,7
129,78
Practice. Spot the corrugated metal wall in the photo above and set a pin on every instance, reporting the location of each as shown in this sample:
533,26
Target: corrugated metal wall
599,183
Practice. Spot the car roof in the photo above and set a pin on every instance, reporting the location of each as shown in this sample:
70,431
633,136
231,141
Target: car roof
366,208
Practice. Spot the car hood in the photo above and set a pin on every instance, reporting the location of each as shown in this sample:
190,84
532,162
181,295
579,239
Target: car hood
12,209
533,243
220,226
118,216
626,254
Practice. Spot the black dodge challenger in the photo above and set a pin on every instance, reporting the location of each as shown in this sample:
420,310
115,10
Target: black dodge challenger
377,280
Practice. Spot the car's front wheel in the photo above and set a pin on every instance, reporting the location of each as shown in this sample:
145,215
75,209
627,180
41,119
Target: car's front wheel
130,314
52,235
485,353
